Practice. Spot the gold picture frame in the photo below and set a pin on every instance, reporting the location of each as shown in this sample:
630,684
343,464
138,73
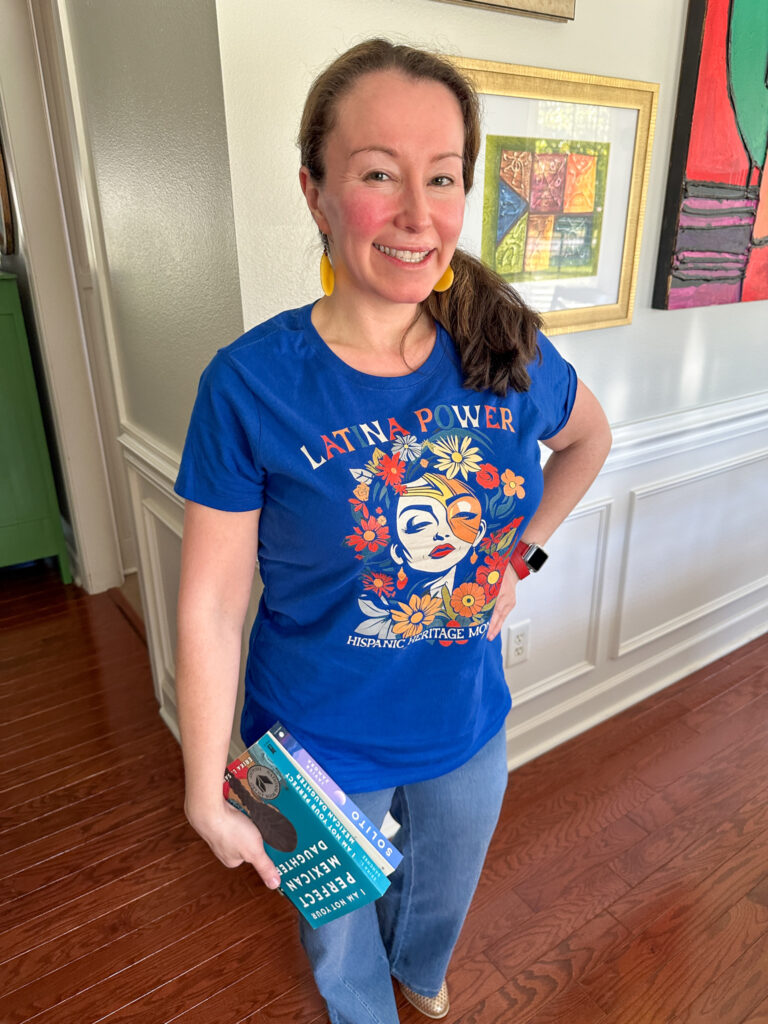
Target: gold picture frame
7,245
580,139
554,10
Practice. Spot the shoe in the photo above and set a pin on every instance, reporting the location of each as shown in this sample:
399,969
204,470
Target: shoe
435,1007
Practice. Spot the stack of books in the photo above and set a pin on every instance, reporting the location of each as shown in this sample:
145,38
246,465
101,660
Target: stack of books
330,857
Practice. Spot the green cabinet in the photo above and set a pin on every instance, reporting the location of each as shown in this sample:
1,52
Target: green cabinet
30,525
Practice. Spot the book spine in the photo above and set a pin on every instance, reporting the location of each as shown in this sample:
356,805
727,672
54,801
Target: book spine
303,788
323,783
331,795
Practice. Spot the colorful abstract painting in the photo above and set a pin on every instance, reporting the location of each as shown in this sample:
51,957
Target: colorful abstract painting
714,242
543,206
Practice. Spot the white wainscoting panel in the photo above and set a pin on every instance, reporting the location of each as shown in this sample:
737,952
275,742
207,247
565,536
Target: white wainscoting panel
158,515
563,606
163,532
695,543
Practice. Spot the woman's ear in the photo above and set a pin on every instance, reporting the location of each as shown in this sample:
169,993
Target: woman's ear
396,557
311,191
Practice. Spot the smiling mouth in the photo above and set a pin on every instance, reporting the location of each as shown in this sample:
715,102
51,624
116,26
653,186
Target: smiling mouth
441,550
405,255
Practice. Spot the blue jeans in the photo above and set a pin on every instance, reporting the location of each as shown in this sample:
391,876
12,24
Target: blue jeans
446,826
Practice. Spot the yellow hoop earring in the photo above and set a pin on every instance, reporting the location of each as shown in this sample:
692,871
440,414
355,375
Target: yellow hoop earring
445,281
327,276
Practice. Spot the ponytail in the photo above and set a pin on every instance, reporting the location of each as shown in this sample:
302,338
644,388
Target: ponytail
493,329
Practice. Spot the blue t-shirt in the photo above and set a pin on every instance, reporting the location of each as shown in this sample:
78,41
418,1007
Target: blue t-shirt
390,506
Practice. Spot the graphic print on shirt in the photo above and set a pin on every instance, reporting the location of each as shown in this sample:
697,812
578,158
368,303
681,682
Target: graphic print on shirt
431,565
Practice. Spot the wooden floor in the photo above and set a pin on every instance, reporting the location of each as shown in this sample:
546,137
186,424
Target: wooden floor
627,882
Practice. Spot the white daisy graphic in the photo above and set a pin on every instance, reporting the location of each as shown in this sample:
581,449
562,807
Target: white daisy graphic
456,457
407,447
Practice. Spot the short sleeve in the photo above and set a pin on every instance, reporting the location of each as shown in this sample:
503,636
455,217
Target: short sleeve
220,465
553,388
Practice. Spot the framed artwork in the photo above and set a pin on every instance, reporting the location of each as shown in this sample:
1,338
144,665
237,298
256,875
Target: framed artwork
557,10
6,217
714,237
560,183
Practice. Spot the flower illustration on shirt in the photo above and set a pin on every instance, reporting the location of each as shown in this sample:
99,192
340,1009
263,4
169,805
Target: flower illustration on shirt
391,469
490,573
371,534
455,456
488,476
468,599
513,485
379,583
414,616
407,447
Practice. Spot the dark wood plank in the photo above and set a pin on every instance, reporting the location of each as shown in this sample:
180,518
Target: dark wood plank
658,977
736,992
62,918
539,988
588,895
120,921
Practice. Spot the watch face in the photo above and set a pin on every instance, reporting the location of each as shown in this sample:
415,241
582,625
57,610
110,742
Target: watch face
535,557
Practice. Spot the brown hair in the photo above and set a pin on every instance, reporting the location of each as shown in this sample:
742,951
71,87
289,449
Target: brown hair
494,330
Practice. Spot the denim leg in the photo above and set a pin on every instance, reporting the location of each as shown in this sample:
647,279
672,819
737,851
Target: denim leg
347,955
446,825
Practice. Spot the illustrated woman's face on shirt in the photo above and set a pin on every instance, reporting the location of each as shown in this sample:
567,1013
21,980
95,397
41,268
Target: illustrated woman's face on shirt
435,537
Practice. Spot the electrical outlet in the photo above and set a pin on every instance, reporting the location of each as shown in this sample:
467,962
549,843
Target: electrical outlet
518,638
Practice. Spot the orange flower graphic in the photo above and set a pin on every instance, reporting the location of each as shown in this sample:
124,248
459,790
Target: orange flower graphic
391,469
468,599
413,617
513,485
379,582
370,535
490,573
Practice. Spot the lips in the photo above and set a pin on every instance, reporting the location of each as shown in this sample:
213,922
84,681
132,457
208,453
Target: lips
441,550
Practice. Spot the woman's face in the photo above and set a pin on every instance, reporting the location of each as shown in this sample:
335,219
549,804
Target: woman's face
436,537
392,200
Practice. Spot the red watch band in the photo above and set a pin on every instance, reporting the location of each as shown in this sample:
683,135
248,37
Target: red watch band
516,560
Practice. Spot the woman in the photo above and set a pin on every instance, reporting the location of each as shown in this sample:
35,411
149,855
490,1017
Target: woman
417,363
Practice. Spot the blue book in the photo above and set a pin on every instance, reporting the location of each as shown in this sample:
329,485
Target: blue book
384,853
324,872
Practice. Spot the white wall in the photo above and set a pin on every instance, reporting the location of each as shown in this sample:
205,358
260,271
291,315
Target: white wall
152,108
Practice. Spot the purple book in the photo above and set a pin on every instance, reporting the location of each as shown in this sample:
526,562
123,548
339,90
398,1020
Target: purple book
348,808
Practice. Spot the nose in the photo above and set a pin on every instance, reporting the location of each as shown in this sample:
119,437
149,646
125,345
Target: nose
414,215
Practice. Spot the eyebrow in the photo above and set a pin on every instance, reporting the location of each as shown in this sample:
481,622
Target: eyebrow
416,508
394,153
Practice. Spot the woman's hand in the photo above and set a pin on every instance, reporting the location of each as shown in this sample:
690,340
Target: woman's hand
234,839
505,602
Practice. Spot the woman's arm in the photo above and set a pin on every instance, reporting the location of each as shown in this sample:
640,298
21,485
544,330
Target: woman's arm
218,561
578,452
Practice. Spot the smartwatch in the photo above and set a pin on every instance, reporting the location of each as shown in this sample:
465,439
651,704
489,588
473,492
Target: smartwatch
527,558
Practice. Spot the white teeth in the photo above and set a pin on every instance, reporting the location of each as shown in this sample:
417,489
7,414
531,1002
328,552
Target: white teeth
404,254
